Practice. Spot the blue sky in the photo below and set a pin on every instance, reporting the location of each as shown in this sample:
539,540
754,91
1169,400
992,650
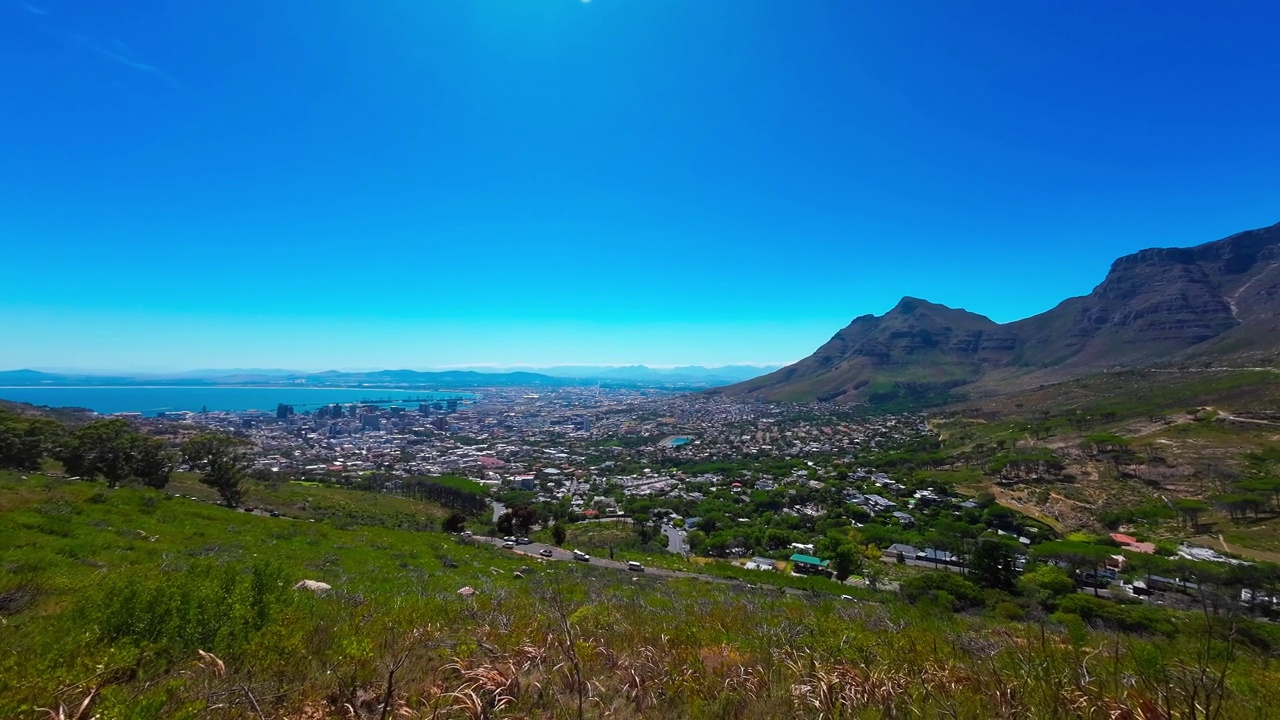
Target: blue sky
418,183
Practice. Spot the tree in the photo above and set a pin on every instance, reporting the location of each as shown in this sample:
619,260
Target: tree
153,462
222,462
1045,584
944,588
1191,510
993,565
1078,556
559,534
24,441
1263,487
100,449
776,539
845,561
113,450
455,523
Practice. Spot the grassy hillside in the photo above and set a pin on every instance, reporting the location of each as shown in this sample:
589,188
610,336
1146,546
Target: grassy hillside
1173,435
151,606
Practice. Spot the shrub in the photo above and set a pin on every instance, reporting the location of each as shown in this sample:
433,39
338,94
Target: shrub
213,607
1009,611
1046,584
1130,618
942,586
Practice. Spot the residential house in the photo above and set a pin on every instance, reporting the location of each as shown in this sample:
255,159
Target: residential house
808,564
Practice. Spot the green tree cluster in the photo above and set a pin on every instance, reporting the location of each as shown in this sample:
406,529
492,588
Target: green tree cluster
114,451
25,441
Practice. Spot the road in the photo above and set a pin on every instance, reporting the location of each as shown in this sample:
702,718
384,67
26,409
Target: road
534,550
675,540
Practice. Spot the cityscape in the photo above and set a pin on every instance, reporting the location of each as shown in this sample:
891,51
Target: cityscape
639,360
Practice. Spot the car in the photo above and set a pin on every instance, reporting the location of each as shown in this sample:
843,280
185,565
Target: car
545,552
634,566
274,513
467,534
509,539
846,597
508,545
581,556
523,541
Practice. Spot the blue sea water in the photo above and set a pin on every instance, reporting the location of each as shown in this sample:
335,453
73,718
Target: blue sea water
152,400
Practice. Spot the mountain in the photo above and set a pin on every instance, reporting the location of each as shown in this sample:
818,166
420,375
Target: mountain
25,376
469,378
1217,303
446,378
688,374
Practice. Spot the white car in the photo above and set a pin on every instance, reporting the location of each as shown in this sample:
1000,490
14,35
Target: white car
508,545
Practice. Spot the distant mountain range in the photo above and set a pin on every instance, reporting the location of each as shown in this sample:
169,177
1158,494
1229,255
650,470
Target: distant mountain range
558,376
692,374
1205,306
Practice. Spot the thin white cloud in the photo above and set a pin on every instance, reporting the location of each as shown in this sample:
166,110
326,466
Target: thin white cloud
34,10
123,59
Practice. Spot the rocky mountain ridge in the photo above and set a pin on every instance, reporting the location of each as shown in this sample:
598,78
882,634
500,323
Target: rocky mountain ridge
1214,303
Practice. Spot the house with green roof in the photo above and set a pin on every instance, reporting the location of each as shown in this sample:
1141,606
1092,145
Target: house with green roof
808,564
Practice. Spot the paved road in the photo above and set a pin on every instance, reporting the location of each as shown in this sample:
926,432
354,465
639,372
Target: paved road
535,549
675,540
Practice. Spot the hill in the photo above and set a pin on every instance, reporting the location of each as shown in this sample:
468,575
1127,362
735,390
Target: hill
1210,305
136,603
412,378
687,375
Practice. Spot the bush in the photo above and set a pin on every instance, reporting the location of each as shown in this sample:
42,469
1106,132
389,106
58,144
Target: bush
959,593
1045,584
214,607
1009,611
1130,618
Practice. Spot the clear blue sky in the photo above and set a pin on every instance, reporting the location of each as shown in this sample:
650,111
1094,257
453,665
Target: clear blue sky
426,183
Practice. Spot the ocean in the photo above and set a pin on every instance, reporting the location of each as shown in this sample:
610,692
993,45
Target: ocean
150,400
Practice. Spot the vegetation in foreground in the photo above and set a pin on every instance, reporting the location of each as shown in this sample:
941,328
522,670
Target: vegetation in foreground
134,603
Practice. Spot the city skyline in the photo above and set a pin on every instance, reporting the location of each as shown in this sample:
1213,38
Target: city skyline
607,183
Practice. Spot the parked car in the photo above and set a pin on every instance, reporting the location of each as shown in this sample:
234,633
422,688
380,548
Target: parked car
545,552
581,556
508,545
634,566
523,541
467,534
509,539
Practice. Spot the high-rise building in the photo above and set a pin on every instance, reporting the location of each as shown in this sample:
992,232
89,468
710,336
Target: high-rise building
370,422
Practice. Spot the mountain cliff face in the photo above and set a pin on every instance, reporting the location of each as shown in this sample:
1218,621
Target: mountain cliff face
1217,302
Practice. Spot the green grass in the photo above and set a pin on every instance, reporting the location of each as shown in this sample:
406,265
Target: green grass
115,595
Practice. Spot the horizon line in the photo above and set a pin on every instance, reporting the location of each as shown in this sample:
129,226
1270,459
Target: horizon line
477,367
